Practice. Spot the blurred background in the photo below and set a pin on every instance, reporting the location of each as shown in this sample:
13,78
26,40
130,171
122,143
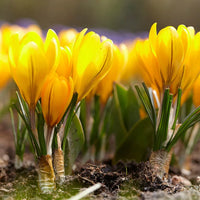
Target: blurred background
124,15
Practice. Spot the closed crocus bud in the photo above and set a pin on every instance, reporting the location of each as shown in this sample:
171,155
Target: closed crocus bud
65,66
91,61
31,60
56,96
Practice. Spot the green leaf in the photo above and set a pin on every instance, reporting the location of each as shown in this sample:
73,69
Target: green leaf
120,97
69,119
147,100
131,114
96,122
137,144
177,108
74,143
23,111
162,131
189,121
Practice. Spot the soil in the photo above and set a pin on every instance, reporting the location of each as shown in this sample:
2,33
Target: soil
121,181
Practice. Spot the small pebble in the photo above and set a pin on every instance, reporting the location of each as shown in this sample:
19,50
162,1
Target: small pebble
6,157
186,172
198,179
180,180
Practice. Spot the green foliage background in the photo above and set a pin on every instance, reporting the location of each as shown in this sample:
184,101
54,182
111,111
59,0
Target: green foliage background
130,15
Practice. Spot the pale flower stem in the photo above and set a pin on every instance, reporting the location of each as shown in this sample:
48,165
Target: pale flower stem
18,162
49,137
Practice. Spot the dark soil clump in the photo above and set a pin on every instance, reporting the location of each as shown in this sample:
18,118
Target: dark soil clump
105,174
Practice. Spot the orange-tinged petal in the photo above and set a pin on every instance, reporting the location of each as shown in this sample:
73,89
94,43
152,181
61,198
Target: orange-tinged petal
196,92
4,70
56,96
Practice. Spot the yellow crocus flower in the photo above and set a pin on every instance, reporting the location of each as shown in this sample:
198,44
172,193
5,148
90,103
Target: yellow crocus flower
170,47
31,60
105,86
55,97
166,59
91,61
67,37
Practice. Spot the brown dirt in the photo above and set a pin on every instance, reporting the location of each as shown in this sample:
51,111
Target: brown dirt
112,177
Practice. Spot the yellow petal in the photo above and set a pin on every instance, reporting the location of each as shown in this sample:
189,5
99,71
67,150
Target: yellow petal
52,49
30,72
65,66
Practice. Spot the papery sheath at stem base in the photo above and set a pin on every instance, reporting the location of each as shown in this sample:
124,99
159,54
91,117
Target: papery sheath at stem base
18,162
46,174
58,162
160,161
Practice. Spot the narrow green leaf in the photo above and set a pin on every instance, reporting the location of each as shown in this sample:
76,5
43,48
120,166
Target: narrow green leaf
146,103
151,101
162,131
96,121
120,102
189,121
74,143
32,137
177,108
69,120
13,126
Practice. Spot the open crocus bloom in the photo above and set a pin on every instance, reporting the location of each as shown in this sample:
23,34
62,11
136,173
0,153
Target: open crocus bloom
105,86
31,60
168,59
91,61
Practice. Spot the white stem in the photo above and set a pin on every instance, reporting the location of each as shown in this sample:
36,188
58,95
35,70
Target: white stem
49,139
86,192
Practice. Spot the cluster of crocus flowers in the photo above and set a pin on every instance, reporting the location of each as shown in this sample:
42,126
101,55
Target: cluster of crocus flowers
42,69
54,73
167,62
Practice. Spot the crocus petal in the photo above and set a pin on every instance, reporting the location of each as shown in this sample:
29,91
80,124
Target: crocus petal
64,66
52,48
